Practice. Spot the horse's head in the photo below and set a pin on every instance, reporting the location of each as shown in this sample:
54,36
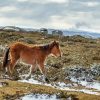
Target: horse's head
55,50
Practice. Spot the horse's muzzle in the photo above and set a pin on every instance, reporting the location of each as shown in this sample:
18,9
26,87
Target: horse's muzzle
60,55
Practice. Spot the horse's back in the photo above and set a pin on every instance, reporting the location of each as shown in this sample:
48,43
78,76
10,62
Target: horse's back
25,52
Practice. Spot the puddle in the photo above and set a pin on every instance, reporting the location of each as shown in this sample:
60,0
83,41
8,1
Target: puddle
39,97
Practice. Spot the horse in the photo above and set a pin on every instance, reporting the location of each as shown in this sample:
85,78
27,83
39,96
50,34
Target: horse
34,55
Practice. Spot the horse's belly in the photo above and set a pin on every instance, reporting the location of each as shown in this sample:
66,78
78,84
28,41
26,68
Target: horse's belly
27,59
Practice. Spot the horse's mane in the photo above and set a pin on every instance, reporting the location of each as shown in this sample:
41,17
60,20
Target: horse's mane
45,47
49,46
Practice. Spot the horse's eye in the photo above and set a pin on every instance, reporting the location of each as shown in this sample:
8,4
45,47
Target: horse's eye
57,46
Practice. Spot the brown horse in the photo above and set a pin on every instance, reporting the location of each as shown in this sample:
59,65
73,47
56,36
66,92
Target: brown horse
33,55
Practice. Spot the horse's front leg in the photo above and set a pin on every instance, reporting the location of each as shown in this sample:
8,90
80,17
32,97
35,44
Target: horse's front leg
43,71
32,70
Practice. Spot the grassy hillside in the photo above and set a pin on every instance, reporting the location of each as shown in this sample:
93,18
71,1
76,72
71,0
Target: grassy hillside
76,51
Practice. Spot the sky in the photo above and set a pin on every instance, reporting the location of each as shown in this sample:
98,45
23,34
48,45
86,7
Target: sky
56,14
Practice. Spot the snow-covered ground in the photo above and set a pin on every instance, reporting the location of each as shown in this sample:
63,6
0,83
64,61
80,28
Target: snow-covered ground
69,87
94,85
39,97
2,47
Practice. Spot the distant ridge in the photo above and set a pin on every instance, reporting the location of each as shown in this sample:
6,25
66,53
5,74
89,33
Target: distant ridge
87,34
66,32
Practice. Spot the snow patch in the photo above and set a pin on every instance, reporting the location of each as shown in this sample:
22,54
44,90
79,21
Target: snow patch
62,86
2,47
39,97
94,85
89,91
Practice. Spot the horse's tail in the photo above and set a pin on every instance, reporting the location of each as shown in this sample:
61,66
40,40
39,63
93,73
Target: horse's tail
5,59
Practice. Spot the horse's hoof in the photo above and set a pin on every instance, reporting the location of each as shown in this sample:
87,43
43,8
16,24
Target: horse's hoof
47,80
27,78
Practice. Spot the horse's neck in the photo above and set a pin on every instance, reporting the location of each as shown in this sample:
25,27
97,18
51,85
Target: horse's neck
46,49
49,49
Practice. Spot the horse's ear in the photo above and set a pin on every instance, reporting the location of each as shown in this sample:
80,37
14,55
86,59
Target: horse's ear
54,41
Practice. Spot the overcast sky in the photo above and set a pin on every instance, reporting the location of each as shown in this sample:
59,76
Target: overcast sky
58,14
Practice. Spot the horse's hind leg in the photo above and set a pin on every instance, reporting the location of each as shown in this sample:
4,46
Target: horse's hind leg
7,68
11,66
13,59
